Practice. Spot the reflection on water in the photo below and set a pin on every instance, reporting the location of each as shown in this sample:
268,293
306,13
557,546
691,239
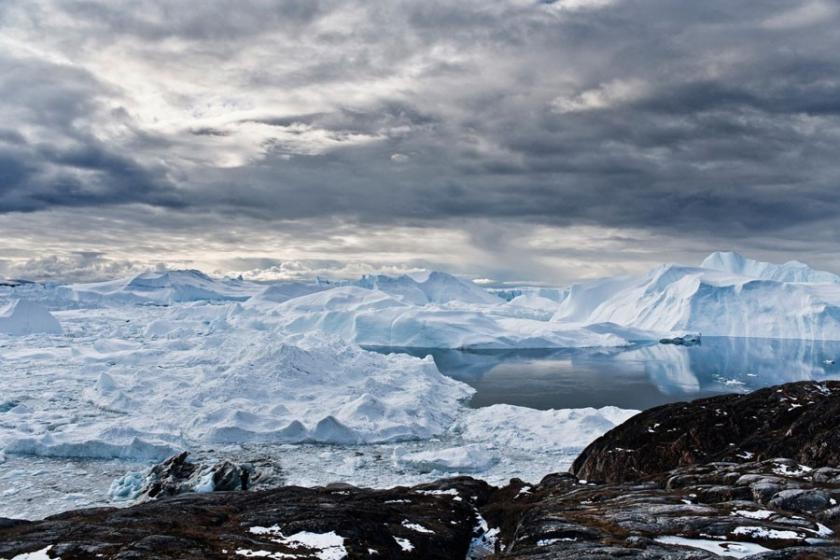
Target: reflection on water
634,377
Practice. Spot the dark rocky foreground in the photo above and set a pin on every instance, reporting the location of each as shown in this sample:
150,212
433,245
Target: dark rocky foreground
724,477
798,421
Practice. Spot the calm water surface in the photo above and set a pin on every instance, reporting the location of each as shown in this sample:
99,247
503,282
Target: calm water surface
639,377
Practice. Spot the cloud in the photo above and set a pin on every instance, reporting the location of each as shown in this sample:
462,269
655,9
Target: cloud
604,96
700,123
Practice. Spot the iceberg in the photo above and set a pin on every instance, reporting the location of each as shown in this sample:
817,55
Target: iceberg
372,318
436,287
791,271
676,299
23,317
159,288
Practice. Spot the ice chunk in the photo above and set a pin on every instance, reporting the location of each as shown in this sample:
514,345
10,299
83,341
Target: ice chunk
127,487
516,427
463,459
49,446
23,317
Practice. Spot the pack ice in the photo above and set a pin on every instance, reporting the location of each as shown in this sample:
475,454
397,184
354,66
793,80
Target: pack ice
160,362
171,360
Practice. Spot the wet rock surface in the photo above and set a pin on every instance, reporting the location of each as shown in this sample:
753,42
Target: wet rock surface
736,503
797,420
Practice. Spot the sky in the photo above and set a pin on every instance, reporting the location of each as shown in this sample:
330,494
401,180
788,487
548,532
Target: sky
509,140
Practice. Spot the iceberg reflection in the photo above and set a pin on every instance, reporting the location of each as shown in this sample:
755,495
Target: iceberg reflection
635,377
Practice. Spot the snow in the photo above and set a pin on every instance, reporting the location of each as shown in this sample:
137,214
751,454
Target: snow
248,553
415,527
23,317
754,514
284,291
405,544
239,384
483,544
326,546
37,555
765,533
728,549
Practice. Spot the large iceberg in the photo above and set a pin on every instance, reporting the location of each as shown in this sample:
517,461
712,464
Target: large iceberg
675,298
791,271
373,318
159,288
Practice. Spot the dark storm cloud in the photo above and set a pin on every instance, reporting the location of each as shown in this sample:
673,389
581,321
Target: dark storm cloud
695,117
64,163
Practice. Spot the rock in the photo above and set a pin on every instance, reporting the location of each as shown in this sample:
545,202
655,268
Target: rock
797,421
801,501
437,520
827,474
177,475
560,517
687,340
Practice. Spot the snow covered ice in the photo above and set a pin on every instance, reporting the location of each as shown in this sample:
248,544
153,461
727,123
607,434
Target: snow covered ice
133,370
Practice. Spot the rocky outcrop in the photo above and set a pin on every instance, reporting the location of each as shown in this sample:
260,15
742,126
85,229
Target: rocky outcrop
433,521
177,475
797,421
702,503
773,508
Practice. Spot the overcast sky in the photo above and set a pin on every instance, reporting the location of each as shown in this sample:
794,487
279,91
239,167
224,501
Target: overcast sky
511,140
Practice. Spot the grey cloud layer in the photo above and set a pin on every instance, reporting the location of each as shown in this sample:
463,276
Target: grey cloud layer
686,117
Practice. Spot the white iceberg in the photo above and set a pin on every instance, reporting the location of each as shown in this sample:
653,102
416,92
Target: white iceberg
23,317
158,288
791,271
375,319
682,299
